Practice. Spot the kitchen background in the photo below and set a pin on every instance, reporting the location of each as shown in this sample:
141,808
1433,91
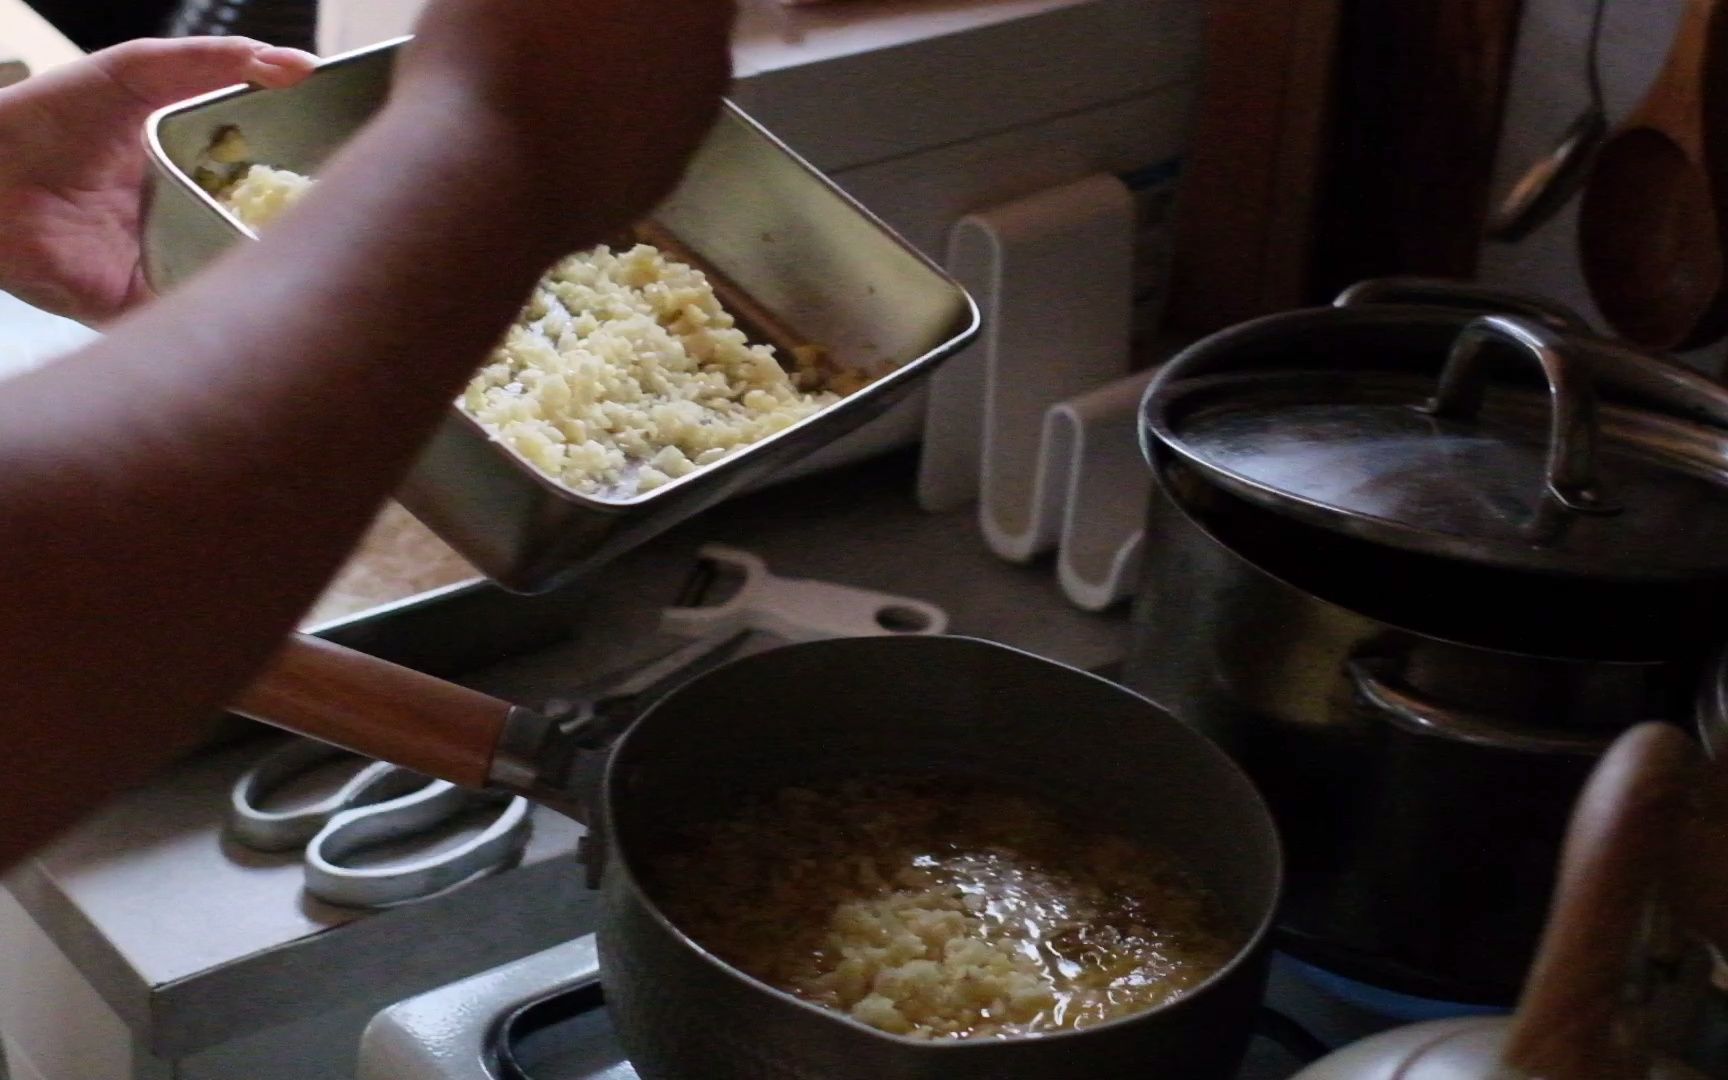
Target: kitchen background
991,133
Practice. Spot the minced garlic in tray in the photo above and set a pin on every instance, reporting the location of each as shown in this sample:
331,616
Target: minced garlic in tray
623,371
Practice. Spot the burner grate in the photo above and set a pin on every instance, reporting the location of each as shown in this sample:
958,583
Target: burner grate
568,1036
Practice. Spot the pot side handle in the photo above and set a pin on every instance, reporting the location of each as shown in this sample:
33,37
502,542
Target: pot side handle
379,709
1414,714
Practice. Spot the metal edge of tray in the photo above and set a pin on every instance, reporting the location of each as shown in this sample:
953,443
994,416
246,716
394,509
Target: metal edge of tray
454,629
447,632
202,230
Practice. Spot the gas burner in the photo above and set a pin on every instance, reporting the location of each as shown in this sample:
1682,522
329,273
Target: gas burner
569,1036
1389,1004
544,1018
564,1036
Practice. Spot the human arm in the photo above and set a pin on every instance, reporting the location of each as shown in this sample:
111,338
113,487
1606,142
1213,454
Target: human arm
174,496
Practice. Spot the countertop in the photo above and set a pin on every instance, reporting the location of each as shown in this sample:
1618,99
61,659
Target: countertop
26,36
169,922
146,898
192,941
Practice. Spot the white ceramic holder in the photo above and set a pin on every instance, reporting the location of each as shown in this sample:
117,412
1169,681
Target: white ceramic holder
1036,421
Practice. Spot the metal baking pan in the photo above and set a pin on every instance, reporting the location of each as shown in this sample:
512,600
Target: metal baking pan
450,632
454,630
803,253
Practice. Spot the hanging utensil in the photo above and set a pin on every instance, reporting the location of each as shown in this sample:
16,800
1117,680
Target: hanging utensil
1552,181
1650,232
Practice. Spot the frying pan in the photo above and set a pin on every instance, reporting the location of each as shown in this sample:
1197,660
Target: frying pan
806,713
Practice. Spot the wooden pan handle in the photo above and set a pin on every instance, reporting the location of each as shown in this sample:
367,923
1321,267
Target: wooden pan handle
1618,856
378,709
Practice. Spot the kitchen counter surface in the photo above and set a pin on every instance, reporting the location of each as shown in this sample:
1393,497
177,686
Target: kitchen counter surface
192,942
180,931
27,36
856,526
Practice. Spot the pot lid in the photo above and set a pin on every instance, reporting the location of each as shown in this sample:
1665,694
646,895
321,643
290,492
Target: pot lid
1523,479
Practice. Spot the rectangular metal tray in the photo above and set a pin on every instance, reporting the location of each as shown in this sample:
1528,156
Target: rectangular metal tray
454,630
804,254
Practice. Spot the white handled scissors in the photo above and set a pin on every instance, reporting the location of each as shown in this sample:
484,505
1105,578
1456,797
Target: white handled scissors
379,803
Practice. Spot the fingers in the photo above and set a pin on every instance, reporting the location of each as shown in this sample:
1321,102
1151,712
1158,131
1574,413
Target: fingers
158,72
275,67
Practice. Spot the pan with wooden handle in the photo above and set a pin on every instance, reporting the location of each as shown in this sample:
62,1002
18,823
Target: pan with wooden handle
382,710
892,703
1623,971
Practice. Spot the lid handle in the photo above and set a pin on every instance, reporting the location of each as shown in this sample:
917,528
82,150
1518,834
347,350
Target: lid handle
1464,296
1572,434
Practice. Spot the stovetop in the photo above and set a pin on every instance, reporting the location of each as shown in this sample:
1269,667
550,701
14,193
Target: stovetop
544,1018
568,1035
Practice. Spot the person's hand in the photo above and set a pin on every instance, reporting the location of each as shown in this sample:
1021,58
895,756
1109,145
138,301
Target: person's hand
72,166
605,97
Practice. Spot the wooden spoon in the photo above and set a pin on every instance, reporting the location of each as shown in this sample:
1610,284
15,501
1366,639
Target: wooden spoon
1650,230
1643,885
1640,860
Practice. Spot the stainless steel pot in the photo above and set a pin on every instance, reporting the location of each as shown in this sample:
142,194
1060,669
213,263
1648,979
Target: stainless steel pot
1421,698
1420,823
801,714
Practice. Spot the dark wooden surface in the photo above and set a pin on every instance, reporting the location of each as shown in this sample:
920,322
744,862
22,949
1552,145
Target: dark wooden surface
1420,92
1246,202
93,25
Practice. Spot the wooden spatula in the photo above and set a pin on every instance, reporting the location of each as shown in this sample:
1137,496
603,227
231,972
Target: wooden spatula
1643,890
1651,228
